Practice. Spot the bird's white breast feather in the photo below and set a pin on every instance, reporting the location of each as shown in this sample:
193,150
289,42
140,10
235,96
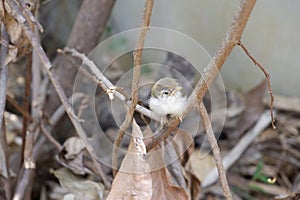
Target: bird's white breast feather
173,105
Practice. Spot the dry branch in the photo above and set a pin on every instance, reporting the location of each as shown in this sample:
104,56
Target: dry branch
216,150
19,108
50,138
3,73
26,97
136,79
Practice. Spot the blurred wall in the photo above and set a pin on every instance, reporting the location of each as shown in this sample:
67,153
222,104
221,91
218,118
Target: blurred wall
271,35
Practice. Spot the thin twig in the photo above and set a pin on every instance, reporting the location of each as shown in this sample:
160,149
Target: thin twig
135,81
19,108
233,36
216,150
51,139
267,77
28,78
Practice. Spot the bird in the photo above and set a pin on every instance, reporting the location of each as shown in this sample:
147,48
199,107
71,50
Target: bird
168,98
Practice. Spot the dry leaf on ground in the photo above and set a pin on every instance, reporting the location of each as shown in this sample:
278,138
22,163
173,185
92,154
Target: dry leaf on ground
79,187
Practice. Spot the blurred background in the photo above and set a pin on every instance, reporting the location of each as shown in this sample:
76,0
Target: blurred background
271,34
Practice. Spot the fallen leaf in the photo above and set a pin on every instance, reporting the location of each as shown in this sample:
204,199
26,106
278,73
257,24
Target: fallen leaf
133,181
72,155
165,185
79,187
163,190
72,146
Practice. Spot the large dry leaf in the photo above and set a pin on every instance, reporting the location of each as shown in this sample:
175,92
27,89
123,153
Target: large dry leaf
133,180
162,188
253,109
170,180
176,154
164,185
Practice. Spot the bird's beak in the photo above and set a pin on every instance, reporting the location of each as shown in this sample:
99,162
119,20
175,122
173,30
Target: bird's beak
177,89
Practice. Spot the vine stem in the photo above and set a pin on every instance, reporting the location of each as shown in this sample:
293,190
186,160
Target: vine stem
267,77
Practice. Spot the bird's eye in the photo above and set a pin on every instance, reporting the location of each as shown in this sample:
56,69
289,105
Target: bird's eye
165,92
